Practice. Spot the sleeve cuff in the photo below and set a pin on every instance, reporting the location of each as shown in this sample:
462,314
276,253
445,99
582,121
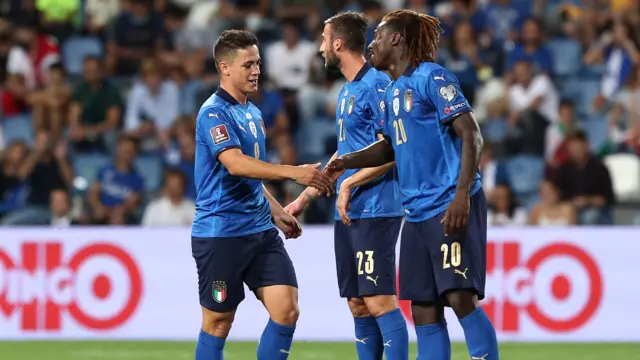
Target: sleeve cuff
449,119
221,150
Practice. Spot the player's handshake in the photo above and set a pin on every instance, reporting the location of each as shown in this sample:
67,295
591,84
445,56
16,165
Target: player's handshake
310,175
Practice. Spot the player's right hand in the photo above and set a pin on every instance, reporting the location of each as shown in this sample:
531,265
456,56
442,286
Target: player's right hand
335,166
311,176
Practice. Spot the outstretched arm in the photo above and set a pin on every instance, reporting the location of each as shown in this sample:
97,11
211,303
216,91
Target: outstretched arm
376,154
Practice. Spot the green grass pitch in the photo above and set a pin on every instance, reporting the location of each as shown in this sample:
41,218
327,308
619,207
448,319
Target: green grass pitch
114,350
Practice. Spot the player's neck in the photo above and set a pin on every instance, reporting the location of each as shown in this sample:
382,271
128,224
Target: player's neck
351,65
398,68
235,93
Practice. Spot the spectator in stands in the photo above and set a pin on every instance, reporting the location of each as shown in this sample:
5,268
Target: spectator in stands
60,208
288,66
625,114
32,55
46,169
532,93
137,33
505,19
11,159
585,181
99,14
5,47
14,96
504,210
619,51
172,209
533,103
462,57
58,17
531,49
556,151
189,79
152,108
95,110
50,105
185,161
551,210
116,195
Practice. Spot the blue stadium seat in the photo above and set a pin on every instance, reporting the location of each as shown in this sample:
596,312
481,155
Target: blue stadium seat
151,170
567,56
525,173
18,127
76,49
86,168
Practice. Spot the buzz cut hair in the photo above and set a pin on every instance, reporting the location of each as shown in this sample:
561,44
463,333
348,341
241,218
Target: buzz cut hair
230,41
351,27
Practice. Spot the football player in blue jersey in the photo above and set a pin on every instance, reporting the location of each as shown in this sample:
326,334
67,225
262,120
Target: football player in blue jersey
436,143
234,240
369,213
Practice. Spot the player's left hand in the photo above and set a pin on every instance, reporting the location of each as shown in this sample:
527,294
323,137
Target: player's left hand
457,214
289,226
343,203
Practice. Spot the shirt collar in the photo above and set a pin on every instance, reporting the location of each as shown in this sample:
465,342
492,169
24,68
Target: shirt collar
409,70
363,71
226,96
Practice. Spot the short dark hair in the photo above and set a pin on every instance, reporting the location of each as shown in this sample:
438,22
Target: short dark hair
174,172
351,27
231,41
577,135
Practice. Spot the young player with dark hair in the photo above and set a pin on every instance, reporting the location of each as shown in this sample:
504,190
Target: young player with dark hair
234,240
436,143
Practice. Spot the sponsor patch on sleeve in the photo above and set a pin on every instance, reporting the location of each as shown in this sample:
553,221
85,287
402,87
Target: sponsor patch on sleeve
219,134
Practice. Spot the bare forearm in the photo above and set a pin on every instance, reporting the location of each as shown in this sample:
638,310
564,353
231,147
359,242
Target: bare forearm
472,145
376,154
276,208
367,175
246,166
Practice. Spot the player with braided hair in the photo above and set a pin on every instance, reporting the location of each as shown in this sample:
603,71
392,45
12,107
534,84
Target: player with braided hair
431,134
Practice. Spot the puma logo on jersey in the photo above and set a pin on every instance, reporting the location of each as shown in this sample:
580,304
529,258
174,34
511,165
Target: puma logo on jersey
483,357
375,281
388,343
364,341
441,77
463,273
284,351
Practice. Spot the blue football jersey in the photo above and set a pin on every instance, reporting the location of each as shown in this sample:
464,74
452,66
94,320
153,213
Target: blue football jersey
359,117
226,205
421,105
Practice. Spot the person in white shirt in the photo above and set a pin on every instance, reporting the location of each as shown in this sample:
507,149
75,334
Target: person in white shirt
60,207
172,209
532,93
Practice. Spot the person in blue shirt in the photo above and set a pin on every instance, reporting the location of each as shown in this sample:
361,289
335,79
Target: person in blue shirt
369,214
436,143
233,238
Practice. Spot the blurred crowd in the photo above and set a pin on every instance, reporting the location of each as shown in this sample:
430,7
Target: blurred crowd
99,99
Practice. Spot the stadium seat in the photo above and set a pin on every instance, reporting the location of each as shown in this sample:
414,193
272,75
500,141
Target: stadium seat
76,49
150,168
625,175
86,168
567,56
18,127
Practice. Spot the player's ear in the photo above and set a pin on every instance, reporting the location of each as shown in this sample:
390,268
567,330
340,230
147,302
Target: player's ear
338,44
396,38
223,66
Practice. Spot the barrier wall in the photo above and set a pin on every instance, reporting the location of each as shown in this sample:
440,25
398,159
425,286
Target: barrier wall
114,283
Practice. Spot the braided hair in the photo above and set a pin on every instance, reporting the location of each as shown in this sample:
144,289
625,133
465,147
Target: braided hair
420,31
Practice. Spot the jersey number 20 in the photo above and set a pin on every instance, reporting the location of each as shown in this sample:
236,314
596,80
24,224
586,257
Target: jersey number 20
401,135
